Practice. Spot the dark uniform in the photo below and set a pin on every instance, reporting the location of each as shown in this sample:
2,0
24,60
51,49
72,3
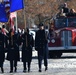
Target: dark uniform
41,47
2,49
13,51
65,8
28,43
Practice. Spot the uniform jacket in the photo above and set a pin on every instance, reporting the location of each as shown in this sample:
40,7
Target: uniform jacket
2,51
27,49
13,48
40,40
41,43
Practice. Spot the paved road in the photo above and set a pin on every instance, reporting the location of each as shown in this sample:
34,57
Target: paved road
66,65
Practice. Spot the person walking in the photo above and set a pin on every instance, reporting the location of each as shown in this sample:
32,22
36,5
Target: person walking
13,50
27,46
41,47
2,49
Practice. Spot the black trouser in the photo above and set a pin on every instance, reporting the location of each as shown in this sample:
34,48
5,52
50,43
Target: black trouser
13,63
42,57
1,65
40,62
26,63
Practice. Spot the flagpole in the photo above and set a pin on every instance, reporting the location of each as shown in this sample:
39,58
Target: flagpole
24,14
16,21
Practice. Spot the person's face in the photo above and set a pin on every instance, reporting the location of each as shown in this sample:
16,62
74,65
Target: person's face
65,5
41,27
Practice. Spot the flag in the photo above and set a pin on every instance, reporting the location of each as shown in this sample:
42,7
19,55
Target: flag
12,26
12,16
16,5
3,15
13,5
12,23
7,7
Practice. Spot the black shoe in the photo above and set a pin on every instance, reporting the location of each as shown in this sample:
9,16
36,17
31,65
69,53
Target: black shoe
24,71
11,71
46,68
28,70
40,70
2,71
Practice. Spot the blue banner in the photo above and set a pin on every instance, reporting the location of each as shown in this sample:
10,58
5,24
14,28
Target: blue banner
16,5
3,15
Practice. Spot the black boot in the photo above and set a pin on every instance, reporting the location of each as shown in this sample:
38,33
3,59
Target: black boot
40,70
28,69
46,68
2,69
24,71
11,71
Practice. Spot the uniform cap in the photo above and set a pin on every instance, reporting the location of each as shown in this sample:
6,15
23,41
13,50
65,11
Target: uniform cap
41,24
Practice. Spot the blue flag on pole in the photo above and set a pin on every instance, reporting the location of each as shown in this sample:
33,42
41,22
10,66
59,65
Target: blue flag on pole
16,5
3,15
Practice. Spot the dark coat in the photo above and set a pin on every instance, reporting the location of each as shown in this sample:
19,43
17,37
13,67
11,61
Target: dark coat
41,42
2,51
13,48
27,51
65,10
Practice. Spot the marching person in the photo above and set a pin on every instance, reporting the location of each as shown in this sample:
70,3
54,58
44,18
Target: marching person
41,47
2,49
13,51
28,43
5,32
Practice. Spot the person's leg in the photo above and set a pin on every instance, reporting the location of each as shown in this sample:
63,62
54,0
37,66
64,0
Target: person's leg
24,65
45,61
15,65
2,67
39,61
11,66
29,63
